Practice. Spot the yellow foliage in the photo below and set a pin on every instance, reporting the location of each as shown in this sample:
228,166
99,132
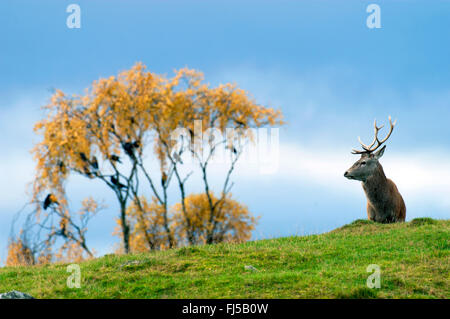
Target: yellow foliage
147,226
127,107
231,221
19,254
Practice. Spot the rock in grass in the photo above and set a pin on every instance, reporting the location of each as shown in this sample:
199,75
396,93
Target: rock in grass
15,295
250,267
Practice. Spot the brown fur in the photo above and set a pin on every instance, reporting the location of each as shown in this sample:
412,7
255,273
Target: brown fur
384,202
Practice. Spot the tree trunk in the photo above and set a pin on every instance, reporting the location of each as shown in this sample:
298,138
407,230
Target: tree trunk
125,229
167,227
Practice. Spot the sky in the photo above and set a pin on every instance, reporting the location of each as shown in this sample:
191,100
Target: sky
317,61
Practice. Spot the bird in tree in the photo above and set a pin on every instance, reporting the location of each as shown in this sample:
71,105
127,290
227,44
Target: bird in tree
83,157
50,199
191,142
240,123
129,148
115,158
116,182
232,149
94,163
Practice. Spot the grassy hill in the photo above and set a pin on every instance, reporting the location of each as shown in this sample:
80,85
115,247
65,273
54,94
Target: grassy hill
413,257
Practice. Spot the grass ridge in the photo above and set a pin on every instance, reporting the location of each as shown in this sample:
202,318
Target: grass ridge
413,258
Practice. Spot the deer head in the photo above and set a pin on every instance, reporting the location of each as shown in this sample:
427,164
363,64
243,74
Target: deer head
368,164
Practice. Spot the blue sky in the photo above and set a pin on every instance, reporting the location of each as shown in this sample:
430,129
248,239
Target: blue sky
316,60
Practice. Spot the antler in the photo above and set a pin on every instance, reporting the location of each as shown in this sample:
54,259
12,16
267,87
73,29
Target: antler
369,149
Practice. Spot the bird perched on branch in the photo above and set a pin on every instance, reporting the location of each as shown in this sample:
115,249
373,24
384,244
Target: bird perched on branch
50,199
240,123
233,149
116,182
115,158
83,157
94,163
191,133
128,147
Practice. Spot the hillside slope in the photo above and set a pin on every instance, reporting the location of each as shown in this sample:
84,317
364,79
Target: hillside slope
413,257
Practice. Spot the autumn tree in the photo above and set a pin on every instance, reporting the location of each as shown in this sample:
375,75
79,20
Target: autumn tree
53,237
111,132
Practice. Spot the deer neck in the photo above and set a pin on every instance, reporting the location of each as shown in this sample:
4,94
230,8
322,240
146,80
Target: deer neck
376,186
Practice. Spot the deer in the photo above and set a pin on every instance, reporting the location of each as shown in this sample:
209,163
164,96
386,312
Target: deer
384,202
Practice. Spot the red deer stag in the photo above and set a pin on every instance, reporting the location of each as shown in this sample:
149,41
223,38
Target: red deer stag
384,202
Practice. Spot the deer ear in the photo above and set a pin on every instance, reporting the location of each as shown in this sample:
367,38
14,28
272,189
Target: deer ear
380,152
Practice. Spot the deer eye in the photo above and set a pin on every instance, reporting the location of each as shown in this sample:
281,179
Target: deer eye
363,163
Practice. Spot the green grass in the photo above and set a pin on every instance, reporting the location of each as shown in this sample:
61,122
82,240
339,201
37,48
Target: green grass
413,257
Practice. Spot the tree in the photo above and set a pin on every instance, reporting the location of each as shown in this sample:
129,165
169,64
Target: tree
106,133
57,236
